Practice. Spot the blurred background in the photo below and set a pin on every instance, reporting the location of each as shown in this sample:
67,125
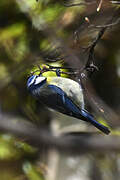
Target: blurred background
36,144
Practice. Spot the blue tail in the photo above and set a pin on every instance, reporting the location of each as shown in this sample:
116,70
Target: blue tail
90,119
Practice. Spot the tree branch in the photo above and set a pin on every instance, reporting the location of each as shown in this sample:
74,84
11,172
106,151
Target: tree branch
66,143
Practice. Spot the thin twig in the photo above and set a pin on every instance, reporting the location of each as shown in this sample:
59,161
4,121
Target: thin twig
115,2
79,4
89,63
99,6
106,25
74,72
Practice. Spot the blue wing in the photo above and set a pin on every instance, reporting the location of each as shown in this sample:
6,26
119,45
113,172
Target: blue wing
63,102
65,105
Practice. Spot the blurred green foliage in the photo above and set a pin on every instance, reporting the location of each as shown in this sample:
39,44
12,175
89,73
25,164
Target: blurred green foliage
13,149
31,172
24,33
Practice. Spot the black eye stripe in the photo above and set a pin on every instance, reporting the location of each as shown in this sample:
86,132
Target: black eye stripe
35,79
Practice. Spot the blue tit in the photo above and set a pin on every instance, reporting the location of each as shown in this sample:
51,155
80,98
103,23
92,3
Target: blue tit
63,95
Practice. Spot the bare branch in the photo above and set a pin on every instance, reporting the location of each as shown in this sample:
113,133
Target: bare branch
67,143
90,67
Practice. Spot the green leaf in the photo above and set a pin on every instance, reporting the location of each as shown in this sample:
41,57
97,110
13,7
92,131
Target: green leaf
31,172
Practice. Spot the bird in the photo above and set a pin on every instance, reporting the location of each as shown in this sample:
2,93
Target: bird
63,95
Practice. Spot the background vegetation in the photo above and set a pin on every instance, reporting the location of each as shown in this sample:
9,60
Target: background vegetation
33,33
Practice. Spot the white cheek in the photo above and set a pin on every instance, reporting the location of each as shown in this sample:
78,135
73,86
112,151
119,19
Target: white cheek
39,80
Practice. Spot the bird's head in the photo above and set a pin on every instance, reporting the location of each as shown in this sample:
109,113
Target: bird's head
35,81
